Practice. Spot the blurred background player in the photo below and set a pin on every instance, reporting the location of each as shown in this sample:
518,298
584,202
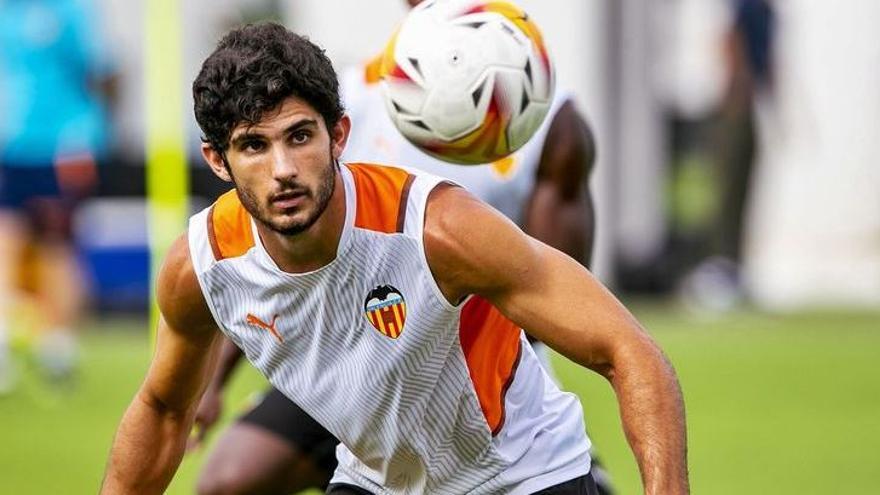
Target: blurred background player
276,447
748,51
53,129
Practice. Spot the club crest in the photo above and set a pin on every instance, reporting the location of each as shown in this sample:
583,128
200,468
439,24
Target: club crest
385,309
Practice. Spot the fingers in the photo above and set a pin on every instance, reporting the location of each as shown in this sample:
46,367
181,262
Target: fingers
196,436
206,417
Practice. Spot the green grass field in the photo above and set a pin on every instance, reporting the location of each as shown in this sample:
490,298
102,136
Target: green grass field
776,404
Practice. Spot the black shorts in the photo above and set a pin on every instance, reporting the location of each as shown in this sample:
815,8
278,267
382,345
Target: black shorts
578,486
282,417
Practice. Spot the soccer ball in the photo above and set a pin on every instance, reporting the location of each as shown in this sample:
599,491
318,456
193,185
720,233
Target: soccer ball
467,81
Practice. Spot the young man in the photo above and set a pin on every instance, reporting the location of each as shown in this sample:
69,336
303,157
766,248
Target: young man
275,447
378,300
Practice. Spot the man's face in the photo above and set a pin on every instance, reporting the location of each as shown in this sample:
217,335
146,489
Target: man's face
283,167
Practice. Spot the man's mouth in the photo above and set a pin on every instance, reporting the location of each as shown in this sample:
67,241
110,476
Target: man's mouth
288,199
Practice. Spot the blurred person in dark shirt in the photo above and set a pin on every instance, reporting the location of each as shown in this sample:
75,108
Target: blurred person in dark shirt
748,58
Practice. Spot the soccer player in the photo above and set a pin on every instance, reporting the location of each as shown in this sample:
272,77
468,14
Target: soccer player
386,302
275,446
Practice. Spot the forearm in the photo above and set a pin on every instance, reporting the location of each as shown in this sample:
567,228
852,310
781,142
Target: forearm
147,449
652,411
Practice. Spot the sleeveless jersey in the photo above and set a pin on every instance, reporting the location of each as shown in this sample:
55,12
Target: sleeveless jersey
506,184
425,396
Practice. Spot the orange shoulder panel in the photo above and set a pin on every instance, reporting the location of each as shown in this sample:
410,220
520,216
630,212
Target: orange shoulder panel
492,349
381,196
229,227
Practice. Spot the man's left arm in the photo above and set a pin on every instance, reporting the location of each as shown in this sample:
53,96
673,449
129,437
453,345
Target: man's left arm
560,209
561,304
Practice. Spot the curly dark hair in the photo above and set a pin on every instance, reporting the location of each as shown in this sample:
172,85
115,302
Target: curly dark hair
253,69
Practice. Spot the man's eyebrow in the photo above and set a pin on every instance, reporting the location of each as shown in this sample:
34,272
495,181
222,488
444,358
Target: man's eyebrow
300,124
244,136
249,133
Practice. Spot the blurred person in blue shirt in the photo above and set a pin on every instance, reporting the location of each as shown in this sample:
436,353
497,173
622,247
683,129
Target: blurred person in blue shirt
54,77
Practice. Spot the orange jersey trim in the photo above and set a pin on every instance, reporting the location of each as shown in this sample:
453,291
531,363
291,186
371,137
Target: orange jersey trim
229,227
382,194
492,348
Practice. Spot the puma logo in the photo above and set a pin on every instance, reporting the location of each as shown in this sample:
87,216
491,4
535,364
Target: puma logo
254,320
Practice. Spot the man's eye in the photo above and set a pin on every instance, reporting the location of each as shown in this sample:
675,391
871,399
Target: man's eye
253,145
300,137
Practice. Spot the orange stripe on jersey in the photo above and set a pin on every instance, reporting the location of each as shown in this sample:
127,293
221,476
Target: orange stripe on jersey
381,196
229,227
491,347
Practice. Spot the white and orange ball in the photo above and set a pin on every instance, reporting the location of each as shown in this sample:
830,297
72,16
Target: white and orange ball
467,81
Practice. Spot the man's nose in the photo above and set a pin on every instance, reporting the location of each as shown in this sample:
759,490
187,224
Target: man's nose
283,163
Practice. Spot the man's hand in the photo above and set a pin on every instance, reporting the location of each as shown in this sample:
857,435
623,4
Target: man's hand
211,405
209,411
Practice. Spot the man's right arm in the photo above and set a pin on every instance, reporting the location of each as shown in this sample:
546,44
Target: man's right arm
150,441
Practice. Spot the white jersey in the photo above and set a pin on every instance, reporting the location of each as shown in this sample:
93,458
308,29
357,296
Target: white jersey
506,184
425,397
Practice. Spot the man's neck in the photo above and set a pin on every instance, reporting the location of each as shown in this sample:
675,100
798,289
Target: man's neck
316,246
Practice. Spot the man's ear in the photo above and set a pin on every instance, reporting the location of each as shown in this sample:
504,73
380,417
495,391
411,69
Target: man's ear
339,136
216,162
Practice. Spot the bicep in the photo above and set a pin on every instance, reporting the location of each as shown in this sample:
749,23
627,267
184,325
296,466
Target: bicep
473,249
188,341
560,303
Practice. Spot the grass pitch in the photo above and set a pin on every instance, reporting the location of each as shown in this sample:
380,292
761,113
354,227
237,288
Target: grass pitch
776,404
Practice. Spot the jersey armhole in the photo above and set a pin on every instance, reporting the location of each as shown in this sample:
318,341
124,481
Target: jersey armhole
202,257
414,226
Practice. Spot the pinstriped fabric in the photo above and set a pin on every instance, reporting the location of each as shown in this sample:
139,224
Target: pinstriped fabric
405,408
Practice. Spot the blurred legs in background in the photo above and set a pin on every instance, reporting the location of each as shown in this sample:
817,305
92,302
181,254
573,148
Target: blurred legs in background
12,235
39,270
61,295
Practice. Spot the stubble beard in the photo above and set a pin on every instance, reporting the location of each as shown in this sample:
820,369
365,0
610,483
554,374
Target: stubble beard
320,197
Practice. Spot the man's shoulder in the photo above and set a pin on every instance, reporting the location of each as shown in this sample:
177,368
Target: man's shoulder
179,294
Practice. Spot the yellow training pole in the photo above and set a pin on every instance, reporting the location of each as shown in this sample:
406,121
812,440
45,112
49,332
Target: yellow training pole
166,168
